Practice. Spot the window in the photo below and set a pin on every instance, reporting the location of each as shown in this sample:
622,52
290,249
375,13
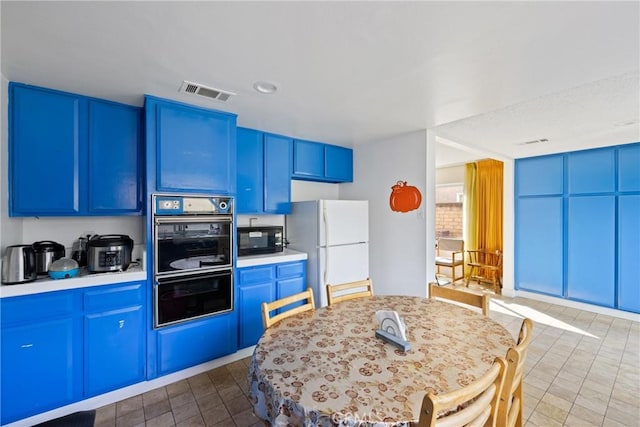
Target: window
449,198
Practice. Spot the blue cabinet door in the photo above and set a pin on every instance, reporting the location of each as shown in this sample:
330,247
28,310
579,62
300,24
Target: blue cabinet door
338,163
115,156
40,368
46,128
250,299
114,350
250,171
196,342
539,245
629,168
308,159
195,149
591,171
591,264
277,174
629,253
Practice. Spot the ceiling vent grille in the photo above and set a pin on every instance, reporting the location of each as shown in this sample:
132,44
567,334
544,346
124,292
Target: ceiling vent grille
533,141
208,92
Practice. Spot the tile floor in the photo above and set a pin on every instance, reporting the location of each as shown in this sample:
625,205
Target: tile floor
582,369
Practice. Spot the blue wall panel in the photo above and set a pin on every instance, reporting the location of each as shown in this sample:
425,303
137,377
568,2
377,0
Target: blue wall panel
629,168
539,245
629,253
539,175
591,269
591,171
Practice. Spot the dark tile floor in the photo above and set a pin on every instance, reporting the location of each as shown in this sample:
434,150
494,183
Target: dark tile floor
214,398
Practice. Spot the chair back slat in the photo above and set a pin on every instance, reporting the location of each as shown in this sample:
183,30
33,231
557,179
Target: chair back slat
267,308
473,299
338,293
480,400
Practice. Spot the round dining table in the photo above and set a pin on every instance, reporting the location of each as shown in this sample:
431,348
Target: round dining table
327,367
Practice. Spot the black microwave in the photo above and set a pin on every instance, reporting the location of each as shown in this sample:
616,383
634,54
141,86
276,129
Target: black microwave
260,240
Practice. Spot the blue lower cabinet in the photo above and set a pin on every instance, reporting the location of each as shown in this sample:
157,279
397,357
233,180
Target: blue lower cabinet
539,245
114,349
250,299
629,253
41,368
591,258
265,283
196,342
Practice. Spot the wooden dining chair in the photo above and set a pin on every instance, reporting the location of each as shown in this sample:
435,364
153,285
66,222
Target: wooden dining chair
476,300
510,405
450,255
336,293
485,266
268,307
478,402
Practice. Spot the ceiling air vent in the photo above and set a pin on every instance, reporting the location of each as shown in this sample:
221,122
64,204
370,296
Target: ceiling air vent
209,92
534,141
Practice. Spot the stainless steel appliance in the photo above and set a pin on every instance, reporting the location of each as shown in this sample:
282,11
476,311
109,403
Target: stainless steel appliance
79,250
259,240
46,252
193,254
110,252
18,264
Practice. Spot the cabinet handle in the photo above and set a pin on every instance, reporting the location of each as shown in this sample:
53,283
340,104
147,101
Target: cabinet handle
26,345
121,323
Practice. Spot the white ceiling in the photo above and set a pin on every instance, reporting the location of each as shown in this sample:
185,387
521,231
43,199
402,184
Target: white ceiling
484,76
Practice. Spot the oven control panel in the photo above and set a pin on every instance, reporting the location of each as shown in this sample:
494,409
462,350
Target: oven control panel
178,205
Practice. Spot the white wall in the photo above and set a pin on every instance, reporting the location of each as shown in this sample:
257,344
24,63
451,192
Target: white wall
398,249
305,190
450,175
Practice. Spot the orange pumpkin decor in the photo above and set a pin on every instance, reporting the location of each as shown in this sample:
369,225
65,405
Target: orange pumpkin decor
404,198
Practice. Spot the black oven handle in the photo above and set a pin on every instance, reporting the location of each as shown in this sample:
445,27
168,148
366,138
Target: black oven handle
186,277
192,219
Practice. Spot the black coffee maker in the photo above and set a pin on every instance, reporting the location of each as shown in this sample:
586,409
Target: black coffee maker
79,250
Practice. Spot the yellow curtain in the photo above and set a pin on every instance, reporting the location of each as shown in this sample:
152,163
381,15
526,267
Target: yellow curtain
469,219
489,186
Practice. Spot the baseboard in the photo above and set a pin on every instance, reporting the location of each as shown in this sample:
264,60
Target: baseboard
132,390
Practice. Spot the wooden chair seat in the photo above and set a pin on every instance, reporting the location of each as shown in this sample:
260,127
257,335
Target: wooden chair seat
485,266
450,254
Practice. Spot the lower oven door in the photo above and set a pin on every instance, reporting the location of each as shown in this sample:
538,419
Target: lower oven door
187,297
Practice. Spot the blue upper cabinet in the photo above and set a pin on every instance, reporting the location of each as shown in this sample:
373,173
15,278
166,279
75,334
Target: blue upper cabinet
338,163
72,155
115,158
195,148
591,171
629,167
263,173
249,171
536,176
45,132
314,161
277,174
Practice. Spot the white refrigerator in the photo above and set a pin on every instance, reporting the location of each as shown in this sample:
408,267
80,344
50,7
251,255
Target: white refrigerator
335,236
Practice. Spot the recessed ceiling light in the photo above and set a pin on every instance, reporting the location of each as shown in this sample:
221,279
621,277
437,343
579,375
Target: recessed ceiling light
265,87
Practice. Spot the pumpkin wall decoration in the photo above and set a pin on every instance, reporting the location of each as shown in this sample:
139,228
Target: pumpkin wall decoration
404,198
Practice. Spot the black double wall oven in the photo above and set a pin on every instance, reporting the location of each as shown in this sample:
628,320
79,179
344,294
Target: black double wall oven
193,257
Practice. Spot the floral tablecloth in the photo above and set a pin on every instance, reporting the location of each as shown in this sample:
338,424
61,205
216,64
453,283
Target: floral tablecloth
327,368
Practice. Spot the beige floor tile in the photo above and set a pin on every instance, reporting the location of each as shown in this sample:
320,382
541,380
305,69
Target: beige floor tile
215,415
186,411
177,388
586,414
196,421
164,420
131,419
209,401
128,405
542,420
554,407
154,396
156,409
237,405
181,399
230,393
609,422
574,421
106,414
246,419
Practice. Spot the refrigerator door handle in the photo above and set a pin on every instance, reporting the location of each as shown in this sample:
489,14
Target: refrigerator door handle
326,257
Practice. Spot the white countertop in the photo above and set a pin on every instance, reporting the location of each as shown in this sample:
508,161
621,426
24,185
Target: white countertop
284,256
85,279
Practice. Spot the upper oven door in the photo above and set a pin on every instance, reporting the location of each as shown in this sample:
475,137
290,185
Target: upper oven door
192,243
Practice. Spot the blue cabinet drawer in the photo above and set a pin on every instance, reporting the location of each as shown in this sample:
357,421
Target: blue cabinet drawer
290,269
40,306
99,299
248,275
